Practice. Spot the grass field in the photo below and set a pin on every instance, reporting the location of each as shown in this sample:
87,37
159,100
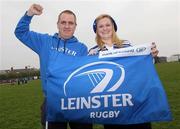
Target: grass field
20,104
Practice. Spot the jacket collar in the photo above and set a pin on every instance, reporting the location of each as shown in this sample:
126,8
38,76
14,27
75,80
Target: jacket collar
70,40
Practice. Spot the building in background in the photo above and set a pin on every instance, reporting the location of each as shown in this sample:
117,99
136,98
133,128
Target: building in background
175,57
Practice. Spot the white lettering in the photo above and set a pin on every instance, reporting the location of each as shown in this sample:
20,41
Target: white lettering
71,103
95,102
114,100
127,99
105,97
116,113
105,114
62,105
92,115
85,102
78,103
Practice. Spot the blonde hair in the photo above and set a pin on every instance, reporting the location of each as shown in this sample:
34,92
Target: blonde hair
115,39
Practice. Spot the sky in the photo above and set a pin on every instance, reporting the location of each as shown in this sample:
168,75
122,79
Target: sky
139,21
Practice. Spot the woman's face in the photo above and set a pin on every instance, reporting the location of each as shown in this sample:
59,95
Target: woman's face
105,28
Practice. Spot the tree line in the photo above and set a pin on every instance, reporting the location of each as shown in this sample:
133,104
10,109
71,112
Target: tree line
16,75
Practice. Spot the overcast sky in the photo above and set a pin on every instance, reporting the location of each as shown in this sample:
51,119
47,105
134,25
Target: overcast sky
139,21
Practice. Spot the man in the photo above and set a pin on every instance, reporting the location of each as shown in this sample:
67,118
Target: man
42,44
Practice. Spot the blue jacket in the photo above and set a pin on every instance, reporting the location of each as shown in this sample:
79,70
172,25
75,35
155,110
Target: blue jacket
43,43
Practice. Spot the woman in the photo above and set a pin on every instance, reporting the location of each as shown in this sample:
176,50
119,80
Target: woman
105,28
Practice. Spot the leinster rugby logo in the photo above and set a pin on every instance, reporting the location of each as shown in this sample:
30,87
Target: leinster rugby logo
140,49
96,77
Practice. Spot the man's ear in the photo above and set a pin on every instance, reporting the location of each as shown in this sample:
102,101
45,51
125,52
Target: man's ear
57,25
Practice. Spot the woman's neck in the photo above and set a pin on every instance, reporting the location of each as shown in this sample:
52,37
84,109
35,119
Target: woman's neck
108,42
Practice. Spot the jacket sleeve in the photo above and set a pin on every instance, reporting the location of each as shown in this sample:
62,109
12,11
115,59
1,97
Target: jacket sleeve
31,39
84,50
94,50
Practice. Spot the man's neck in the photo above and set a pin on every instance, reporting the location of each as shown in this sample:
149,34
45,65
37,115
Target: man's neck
64,38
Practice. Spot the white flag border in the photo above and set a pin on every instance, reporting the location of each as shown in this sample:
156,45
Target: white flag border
137,50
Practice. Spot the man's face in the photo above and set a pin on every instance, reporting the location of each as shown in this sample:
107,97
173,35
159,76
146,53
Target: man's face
66,25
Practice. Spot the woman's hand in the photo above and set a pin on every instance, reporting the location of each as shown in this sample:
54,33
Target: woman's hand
154,50
92,52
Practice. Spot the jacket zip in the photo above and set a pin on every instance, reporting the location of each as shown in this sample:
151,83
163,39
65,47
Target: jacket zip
58,44
64,46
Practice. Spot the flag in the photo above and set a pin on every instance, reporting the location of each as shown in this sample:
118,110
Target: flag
105,89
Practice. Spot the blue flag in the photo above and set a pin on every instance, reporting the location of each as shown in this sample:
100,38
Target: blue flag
113,90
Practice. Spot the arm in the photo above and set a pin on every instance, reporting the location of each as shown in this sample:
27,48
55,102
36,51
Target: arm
93,51
35,9
154,50
84,50
31,39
